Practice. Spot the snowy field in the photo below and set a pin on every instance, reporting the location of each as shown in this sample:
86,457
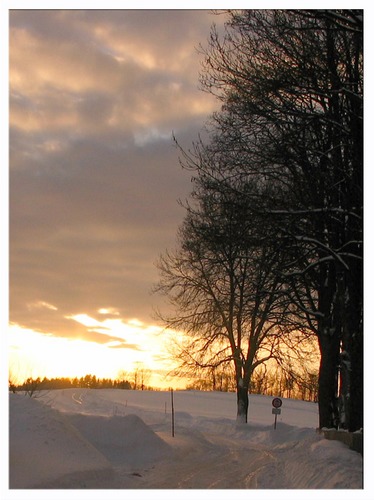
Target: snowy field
115,439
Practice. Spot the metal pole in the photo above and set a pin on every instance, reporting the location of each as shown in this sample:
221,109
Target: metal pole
275,421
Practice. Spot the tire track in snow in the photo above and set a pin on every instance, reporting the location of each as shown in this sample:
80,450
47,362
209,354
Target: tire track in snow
220,466
233,464
78,400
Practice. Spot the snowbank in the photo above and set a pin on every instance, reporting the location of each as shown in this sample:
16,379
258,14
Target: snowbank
44,445
122,440
49,449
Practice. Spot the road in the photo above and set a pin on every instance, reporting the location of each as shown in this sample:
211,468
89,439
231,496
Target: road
205,453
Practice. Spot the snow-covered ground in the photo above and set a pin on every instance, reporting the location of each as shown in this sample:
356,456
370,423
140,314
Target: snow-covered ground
115,439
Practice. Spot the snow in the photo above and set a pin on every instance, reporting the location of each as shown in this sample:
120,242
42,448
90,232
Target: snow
117,439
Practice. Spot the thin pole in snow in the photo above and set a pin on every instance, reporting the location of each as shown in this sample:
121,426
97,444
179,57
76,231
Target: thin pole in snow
172,412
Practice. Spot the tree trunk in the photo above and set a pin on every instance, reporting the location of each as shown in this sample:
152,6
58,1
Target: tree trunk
353,344
328,380
243,402
356,395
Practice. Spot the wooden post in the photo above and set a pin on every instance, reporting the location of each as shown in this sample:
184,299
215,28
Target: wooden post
172,412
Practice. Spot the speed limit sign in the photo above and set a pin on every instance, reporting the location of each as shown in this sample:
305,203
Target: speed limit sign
277,402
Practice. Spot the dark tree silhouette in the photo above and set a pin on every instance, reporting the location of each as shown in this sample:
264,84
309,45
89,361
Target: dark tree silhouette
291,84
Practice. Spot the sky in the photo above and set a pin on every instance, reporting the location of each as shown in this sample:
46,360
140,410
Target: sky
94,181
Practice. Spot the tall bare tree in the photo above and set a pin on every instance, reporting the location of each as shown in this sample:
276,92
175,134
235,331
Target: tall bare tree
223,284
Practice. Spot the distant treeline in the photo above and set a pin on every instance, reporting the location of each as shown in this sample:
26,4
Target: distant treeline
31,385
266,383
285,384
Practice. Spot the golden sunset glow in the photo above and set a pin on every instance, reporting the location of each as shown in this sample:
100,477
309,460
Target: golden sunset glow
95,97
33,354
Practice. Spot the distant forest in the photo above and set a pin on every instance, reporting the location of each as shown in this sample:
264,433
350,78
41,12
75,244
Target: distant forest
264,383
31,385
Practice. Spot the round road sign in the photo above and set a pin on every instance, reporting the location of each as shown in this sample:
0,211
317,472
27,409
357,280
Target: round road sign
277,402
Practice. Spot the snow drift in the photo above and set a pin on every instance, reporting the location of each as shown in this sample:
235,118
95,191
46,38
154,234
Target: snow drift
45,446
122,440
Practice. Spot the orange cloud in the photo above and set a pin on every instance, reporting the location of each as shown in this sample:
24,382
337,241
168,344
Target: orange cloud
107,79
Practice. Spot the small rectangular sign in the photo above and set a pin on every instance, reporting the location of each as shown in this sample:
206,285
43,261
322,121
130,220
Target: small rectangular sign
276,411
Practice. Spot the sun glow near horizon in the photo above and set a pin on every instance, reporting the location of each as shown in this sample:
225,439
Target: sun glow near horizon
34,354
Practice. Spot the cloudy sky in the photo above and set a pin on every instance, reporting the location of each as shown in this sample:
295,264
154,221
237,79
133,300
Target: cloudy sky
94,176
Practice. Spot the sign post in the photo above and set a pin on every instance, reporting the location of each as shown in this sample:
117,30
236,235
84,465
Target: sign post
172,412
277,403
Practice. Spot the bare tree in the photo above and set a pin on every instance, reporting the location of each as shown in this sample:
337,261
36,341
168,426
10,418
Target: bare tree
223,285
141,376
